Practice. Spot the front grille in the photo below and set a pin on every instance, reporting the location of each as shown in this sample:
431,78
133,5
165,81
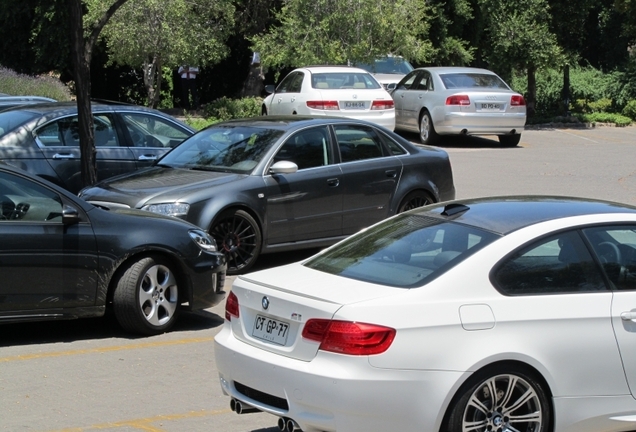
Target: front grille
261,397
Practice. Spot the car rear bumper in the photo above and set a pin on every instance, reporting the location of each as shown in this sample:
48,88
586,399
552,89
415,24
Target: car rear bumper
480,124
332,392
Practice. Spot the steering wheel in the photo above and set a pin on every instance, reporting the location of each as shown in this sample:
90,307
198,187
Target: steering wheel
609,253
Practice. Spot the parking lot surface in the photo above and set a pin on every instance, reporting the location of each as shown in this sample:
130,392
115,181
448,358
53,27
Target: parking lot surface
89,375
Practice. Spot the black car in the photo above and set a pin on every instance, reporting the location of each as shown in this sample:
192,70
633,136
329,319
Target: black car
43,139
273,183
63,258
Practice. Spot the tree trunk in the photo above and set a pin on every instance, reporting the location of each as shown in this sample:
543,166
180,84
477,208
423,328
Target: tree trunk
532,91
565,92
81,66
152,80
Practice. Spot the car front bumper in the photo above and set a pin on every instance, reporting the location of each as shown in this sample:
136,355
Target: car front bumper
207,278
333,392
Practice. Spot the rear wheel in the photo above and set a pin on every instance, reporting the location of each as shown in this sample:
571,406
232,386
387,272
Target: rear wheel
427,130
238,236
502,399
509,140
413,200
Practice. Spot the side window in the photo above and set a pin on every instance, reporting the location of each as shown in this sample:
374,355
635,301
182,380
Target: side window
408,81
286,84
65,132
423,82
147,130
358,143
558,264
307,149
24,200
394,148
615,247
297,84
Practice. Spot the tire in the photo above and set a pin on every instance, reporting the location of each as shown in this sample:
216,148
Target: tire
427,129
238,236
146,297
509,140
519,402
263,111
413,200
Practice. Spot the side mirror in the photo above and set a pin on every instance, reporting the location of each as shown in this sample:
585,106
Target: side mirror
270,88
391,86
70,215
283,167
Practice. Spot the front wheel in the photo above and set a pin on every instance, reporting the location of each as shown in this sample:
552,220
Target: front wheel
146,297
427,129
238,236
413,200
509,140
501,400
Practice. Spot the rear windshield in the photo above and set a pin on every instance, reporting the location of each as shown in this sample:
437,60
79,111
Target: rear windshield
472,80
343,80
10,120
406,251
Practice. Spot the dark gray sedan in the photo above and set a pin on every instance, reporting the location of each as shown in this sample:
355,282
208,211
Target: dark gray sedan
273,183
43,139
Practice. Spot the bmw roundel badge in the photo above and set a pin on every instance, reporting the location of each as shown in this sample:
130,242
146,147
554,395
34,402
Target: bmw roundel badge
265,302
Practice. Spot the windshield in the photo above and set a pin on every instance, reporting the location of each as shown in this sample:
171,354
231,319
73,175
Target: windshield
388,65
10,120
406,251
472,80
226,148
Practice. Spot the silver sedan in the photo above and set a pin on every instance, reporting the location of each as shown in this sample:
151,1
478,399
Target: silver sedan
458,101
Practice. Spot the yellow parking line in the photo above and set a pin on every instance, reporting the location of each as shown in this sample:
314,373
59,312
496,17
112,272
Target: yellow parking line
146,423
104,349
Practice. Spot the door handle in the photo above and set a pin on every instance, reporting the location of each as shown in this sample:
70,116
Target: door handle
63,156
147,157
628,316
280,100
391,173
293,99
334,182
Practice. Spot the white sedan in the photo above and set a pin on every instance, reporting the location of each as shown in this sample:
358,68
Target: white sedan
331,91
458,101
512,314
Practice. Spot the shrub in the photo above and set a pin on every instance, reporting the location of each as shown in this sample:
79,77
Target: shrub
630,109
200,123
15,84
226,108
616,119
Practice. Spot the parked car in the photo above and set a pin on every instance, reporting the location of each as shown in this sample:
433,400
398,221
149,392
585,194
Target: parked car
278,183
493,314
458,101
62,258
13,101
331,91
387,70
43,139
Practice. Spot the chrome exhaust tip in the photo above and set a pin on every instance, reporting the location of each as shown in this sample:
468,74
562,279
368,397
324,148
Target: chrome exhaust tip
282,424
292,426
240,408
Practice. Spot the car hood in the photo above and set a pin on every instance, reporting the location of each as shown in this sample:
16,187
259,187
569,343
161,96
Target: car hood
156,183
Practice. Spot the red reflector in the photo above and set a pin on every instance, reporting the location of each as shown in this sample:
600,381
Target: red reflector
517,100
231,307
382,104
346,337
458,100
323,105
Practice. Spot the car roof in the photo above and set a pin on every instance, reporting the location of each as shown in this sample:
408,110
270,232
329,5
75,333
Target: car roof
506,214
71,107
332,69
286,122
455,69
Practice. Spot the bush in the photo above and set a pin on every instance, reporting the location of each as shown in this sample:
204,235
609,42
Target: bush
616,119
200,123
226,108
630,109
15,84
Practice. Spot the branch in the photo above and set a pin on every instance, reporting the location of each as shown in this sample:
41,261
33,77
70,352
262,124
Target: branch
99,25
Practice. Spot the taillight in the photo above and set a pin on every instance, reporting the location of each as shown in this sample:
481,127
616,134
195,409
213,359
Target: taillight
346,337
382,104
517,100
231,307
323,105
458,100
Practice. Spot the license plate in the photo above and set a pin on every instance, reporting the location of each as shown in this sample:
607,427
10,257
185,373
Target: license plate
491,106
270,330
354,105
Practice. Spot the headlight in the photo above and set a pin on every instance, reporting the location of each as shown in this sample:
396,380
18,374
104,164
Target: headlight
203,240
169,209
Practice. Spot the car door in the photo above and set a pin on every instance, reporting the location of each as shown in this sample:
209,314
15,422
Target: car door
616,248
370,175
44,263
307,204
286,95
59,141
149,136
403,96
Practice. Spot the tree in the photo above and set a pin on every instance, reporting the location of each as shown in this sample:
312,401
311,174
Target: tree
520,39
453,27
338,31
154,33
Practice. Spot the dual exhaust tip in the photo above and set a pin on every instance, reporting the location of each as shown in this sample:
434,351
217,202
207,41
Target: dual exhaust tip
288,425
284,424
240,408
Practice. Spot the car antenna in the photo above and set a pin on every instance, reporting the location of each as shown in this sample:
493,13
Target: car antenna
454,208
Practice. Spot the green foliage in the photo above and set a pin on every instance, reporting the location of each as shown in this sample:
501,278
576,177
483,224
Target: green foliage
200,123
337,31
15,84
630,109
226,108
616,119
